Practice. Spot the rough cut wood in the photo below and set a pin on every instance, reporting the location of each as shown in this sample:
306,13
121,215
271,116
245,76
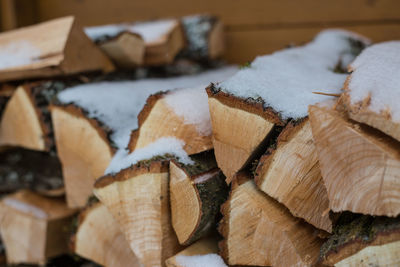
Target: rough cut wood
365,241
157,120
197,192
138,199
99,238
33,227
64,49
360,166
126,50
290,173
84,150
257,230
232,120
203,246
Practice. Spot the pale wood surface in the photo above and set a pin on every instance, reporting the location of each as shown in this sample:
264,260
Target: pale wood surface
100,239
291,175
360,167
140,204
260,231
236,135
83,153
20,124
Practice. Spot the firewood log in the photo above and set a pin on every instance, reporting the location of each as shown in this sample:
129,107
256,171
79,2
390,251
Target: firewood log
138,199
290,173
99,238
257,230
197,191
205,37
365,241
204,246
359,165
54,48
33,228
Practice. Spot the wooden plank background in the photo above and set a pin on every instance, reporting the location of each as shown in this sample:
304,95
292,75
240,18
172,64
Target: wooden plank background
253,27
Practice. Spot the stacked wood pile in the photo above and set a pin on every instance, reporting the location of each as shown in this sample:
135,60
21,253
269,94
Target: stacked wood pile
269,165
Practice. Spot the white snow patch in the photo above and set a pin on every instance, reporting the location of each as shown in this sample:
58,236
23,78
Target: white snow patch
150,31
25,208
117,104
286,79
209,260
192,105
376,72
17,54
164,145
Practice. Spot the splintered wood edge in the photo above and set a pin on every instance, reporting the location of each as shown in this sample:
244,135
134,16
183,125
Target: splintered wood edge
142,116
250,106
360,112
157,166
79,112
45,142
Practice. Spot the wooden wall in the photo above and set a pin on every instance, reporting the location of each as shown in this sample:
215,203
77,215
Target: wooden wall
253,26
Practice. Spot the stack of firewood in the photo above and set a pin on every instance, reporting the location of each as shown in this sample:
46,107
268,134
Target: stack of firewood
141,149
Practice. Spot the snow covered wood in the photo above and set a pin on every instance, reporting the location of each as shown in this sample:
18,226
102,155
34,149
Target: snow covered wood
87,132
273,90
99,238
363,241
259,231
138,199
373,88
289,172
54,48
204,246
33,227
197,192
360,166
163,39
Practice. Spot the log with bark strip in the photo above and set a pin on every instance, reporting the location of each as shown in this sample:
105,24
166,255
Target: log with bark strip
197,191
34,228
99,238
138,198
257,230
54,48
360,165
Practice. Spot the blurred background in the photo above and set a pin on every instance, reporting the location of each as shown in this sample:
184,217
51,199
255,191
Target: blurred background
253,27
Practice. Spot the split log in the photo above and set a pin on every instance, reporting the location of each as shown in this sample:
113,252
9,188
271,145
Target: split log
197,192
257,230
204,246
365,241
24,169
33,228
99,238
360,166
290,173
126,50
53,48
138,199
205,37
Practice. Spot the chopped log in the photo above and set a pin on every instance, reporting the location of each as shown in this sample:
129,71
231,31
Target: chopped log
99,238
197,192
365,241
138,199
257,230
24,169
208,245
84,150
205,37
126,50
54,48
33,228
359,165
289,172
